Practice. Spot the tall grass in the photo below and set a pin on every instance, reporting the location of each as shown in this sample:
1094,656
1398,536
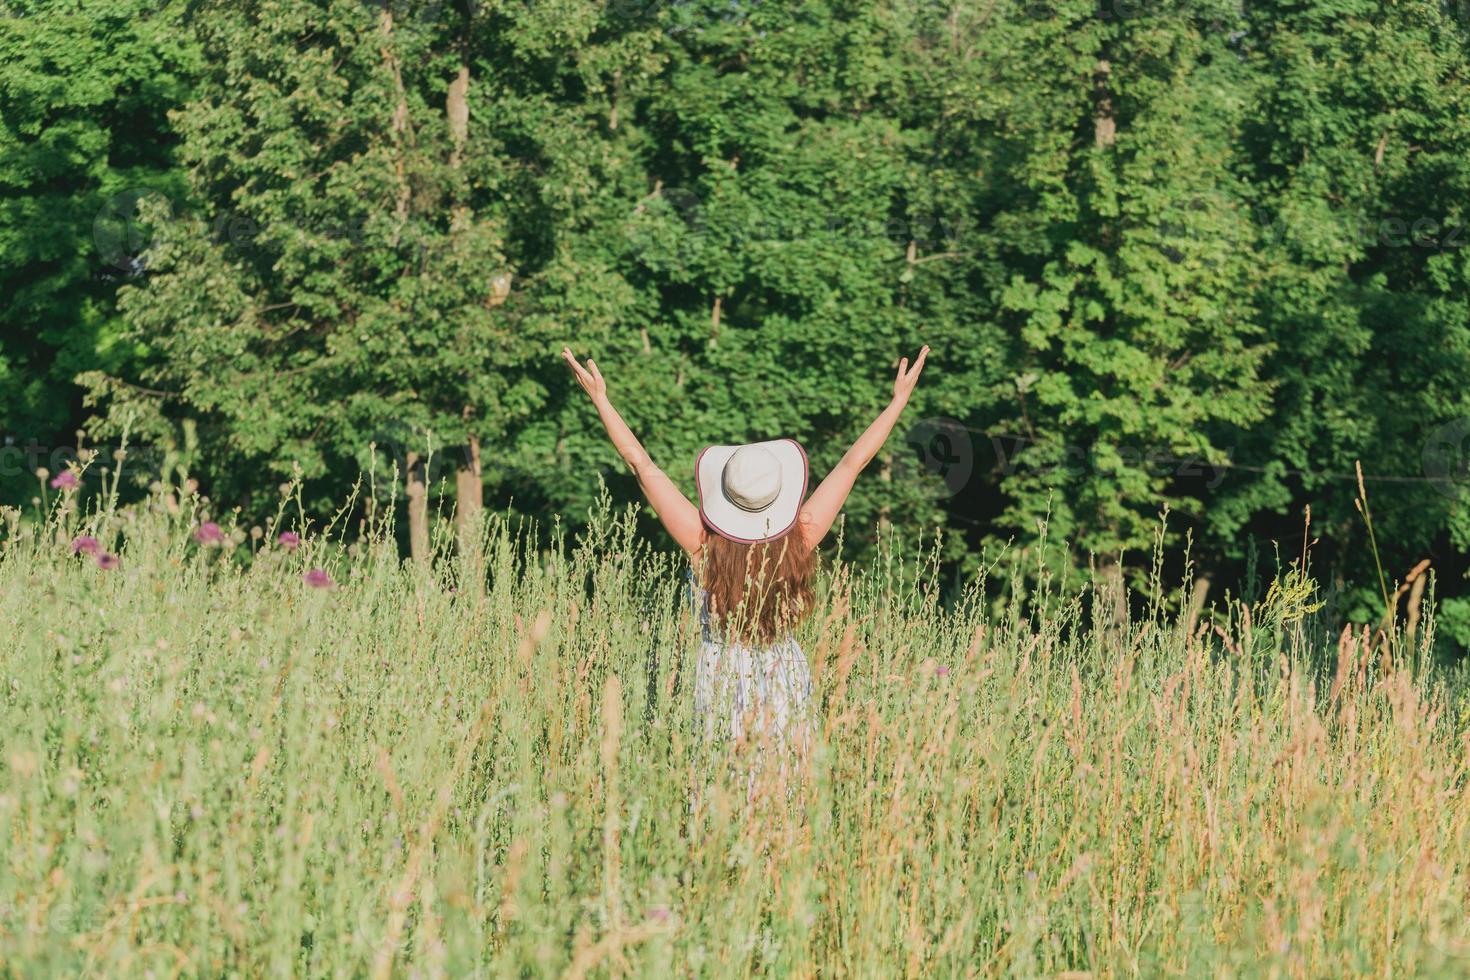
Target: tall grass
212,768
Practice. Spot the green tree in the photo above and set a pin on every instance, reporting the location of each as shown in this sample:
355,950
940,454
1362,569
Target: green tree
85,88
387,226
1358,140
1145,241
767,247
1129,300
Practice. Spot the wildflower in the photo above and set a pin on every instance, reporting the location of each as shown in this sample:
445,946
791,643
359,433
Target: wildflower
317,578
209,533
659,913
65,480
107,561
941,671
289,540
85,545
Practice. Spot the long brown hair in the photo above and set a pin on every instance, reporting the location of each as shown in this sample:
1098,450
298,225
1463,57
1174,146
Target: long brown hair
757,592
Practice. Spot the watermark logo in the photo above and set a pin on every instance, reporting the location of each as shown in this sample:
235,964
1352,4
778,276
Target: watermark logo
1446,458
426,12
686,206
121,233
941,457
634,9
398,446
400,449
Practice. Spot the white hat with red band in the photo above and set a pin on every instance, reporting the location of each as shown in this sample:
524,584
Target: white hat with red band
751,493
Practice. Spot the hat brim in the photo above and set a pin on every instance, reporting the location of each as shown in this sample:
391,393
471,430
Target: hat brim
726,518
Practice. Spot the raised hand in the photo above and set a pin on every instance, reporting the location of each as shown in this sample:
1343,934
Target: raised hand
826,501
673,508
903,385
588,377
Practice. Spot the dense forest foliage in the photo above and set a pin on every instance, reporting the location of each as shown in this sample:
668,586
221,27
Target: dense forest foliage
1197,257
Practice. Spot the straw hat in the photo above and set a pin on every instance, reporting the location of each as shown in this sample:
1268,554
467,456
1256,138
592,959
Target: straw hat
751,493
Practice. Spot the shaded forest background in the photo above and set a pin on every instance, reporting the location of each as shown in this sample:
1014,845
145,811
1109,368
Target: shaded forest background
1186,256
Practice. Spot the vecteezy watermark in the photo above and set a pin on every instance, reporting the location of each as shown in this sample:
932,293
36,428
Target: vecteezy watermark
61,919
1065,460
1215,214
1103,10
21,457
634,9
1445,458
413,451
671,220
390,448
944,452
134,222
1366,231
427,12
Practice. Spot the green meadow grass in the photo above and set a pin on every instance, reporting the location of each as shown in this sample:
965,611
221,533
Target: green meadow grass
210,768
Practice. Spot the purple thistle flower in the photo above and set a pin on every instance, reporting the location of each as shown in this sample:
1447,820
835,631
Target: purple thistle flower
289,540
317,578
85,545
941,671
209,533
107,561
65,480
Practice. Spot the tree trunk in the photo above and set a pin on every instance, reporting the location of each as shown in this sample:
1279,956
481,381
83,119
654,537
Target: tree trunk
1113,597
1197,600
1104,126
402,131
418,509
457,112
469,492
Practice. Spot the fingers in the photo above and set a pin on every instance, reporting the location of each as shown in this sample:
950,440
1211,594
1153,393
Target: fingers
589,377
919,363
572,362
907,376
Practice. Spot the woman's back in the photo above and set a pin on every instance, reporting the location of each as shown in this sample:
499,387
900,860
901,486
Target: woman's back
745,689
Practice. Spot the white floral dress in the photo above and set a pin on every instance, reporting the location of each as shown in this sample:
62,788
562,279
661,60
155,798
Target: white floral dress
744,692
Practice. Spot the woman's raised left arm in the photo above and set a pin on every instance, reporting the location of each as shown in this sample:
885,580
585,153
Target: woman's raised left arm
822,507
675,512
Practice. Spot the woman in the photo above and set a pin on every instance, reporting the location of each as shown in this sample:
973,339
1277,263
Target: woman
750,543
